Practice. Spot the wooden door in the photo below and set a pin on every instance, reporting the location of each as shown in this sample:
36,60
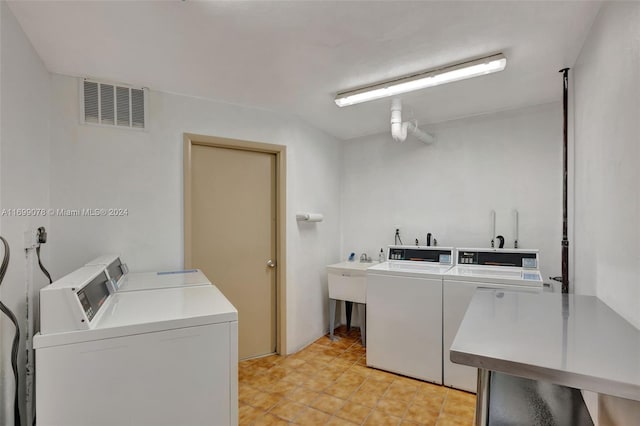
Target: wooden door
233,236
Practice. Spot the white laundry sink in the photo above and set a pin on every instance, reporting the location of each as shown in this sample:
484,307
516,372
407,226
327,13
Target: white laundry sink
348,281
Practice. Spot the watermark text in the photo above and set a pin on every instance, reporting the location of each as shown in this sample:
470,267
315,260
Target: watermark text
60,212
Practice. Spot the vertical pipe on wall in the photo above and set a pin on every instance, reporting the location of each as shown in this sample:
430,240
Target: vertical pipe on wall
565,154
29,383
515,229
493,227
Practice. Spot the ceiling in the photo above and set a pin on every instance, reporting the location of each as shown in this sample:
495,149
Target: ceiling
293,56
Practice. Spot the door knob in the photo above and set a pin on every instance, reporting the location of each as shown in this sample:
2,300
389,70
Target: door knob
271,264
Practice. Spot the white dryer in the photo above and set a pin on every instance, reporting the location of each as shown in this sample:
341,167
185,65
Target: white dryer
124,280
154,357
404,311
512,269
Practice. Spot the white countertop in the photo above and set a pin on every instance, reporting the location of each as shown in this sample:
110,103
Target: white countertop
572,340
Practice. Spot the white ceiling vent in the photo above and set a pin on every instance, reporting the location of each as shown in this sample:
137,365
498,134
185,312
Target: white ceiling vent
110,104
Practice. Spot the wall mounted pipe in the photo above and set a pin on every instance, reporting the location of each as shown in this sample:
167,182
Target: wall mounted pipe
400,130
515,229
565,172
492,216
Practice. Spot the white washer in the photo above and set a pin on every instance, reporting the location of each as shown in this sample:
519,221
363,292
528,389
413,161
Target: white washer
487,268
155,357
124,280
404,311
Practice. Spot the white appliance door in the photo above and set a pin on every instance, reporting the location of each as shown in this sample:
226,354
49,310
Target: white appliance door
456,298
168,378
404,325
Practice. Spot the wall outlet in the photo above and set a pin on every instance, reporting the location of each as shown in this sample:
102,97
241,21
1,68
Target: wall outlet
30,239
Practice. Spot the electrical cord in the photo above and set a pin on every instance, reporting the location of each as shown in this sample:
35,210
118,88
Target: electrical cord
16,337
398,237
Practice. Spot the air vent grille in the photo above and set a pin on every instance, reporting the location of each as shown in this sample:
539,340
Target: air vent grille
122,105
137,108
113,105
91,110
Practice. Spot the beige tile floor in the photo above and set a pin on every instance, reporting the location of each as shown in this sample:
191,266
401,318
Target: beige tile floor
329,383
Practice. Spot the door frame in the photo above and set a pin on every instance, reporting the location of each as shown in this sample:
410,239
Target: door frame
280,152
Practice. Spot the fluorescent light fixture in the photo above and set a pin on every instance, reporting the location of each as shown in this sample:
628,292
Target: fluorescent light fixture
424,79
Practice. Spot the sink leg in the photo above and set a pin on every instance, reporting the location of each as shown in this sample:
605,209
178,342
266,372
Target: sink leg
332,318
349,306
362,315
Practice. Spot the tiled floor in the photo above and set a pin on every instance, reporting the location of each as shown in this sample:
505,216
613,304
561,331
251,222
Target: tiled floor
329,383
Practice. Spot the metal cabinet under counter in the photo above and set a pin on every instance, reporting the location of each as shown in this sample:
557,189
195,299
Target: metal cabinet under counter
573,341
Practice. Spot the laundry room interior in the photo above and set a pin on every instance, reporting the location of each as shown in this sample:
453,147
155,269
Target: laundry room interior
318,212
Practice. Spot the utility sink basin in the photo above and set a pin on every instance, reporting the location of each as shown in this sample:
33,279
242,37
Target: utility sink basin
356,267
348,281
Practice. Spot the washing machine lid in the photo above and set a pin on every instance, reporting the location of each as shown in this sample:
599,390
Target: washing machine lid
495,274
136,281
123,280
410,269
415,261
138,312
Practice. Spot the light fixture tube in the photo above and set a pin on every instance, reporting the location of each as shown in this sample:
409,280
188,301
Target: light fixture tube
424,79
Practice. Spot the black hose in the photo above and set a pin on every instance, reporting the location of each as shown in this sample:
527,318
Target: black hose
16,337
44,271
398,237
42,268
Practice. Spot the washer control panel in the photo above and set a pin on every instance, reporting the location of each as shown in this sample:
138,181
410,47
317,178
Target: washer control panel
74,302
421,254
93,295
496,257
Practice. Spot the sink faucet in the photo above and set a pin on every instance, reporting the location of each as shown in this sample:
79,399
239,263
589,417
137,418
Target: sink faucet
364,257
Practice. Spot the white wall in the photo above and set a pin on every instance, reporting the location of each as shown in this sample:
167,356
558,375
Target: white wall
607,131
24,181
607,177
505,161
384,185
142,171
